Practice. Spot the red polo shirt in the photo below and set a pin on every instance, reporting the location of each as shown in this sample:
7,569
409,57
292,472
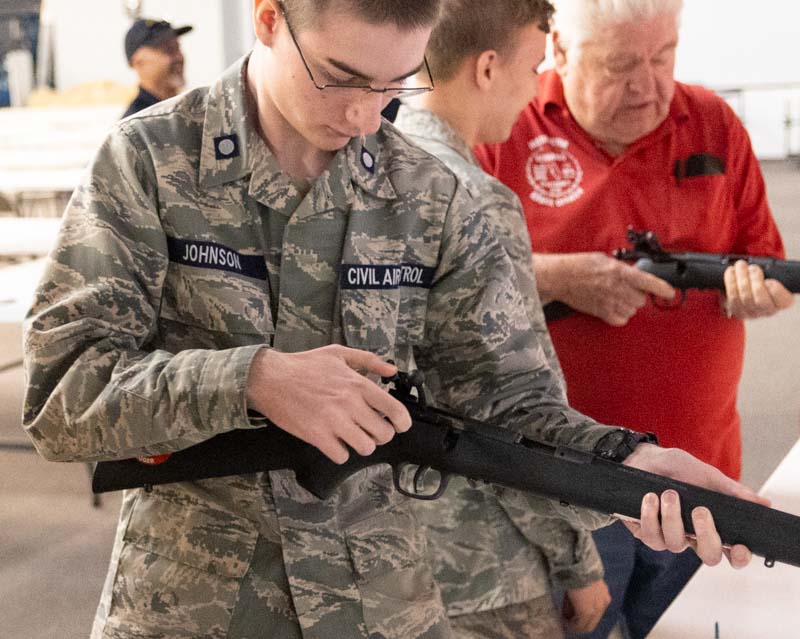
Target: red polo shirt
674,372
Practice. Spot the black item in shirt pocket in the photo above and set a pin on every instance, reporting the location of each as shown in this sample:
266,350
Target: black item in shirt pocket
697,165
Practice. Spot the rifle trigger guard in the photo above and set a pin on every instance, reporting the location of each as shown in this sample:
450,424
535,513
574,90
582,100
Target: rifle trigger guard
417,493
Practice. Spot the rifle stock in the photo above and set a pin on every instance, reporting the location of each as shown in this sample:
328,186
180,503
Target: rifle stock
453,445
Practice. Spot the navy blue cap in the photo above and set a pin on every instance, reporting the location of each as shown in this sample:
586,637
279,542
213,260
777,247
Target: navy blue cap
150,33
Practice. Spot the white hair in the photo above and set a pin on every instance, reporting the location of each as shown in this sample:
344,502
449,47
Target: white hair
578,20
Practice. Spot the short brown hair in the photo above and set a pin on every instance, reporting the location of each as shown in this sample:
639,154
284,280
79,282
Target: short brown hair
467,27
404,14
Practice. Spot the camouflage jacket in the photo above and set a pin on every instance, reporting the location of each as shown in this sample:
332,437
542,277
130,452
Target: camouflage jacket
160,291
488,554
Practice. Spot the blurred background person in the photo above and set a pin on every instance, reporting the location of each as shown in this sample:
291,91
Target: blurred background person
154,53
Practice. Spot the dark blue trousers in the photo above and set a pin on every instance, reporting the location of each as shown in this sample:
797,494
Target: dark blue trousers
642,582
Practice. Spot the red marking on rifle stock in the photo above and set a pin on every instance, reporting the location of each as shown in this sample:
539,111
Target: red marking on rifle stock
153,460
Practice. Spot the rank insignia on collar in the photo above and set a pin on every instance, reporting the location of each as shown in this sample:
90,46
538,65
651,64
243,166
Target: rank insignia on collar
226,147
367,160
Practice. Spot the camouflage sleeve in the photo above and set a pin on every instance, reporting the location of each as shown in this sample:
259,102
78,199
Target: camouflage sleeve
577,564
480,353
94,389
572,558
481,356
505,217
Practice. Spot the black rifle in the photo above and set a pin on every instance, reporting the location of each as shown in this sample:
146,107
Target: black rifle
688,270
443,444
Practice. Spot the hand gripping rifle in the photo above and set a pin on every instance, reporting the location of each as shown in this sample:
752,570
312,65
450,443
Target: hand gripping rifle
699,270
439,444
688,270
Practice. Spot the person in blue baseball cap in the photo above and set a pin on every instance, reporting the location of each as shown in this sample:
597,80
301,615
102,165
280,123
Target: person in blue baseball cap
153,51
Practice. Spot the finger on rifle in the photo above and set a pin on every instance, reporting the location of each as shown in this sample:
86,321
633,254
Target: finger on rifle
372,423
671,521
352,435
650,531
384,404
366,362
332,448
738,555
762,299
744,287
649,283
708,543
731,293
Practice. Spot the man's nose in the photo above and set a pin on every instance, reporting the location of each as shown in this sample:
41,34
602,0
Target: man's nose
364,114
643,80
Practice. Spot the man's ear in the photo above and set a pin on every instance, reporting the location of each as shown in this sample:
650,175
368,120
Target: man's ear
486,69
559,54
265,20
135,62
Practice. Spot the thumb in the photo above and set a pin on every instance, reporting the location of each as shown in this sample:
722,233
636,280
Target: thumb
781,296
735,489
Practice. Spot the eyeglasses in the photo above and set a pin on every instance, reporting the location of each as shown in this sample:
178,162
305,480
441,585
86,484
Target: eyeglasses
391,91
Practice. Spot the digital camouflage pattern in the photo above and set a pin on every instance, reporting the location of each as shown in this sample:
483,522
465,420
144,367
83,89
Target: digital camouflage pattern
490,552
532,619
500,205
152,306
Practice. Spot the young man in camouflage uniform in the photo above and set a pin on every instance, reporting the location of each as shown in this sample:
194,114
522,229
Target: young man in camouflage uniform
222,250
484,57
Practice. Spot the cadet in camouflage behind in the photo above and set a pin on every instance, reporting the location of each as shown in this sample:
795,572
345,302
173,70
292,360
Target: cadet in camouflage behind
266,244
484,58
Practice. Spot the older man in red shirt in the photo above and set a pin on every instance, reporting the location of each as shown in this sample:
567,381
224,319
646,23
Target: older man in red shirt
614,141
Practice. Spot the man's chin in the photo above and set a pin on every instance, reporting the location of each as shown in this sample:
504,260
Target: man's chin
332,140
644,125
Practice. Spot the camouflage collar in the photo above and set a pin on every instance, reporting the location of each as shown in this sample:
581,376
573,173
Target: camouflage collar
367,164
232,149
427,125
225,119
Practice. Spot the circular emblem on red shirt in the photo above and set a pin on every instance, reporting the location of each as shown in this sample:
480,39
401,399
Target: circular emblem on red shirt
553,172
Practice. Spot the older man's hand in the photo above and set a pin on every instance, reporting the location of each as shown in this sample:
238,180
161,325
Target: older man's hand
597,284
748,295
660,526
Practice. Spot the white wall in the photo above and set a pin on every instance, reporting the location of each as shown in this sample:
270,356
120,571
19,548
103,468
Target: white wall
89,37
733,43
724,43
